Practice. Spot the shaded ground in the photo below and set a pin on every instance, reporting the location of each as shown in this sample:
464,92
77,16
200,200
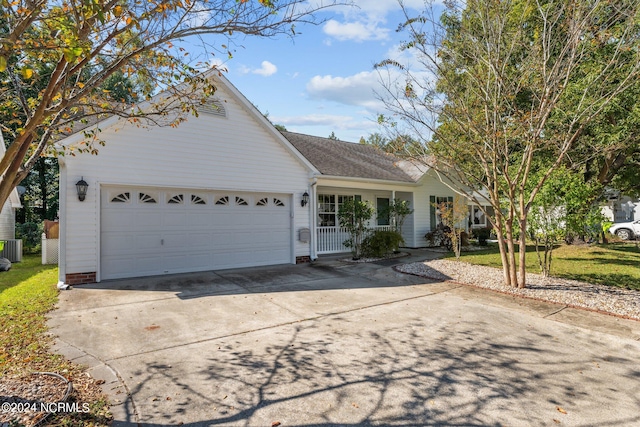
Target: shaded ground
348,345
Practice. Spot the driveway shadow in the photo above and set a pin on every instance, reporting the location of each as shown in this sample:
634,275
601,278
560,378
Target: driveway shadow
457,374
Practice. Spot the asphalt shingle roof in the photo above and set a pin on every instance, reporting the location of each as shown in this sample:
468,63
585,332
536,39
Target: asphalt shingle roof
339,158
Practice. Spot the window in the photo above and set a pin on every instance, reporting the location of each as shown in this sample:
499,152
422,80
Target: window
263,202
478,218
328,208
145,198
178,199
122,198
382,210
278,202
197,200
434,214
224,200
241,202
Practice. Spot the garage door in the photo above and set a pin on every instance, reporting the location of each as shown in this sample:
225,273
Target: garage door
149,231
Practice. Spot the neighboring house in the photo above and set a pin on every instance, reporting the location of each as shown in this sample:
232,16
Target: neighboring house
223,190
8,212
621,208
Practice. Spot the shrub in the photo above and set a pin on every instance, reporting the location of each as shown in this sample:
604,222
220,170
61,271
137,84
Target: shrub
31,235
381,243
482,234
354,215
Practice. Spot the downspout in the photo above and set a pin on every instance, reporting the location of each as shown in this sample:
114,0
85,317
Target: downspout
313,253
62,219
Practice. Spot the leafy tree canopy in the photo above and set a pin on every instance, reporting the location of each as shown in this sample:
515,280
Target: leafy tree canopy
65,64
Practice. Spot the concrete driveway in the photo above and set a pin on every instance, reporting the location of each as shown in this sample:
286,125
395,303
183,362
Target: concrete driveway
344,344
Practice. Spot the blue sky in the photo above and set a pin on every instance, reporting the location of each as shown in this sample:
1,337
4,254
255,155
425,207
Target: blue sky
323,80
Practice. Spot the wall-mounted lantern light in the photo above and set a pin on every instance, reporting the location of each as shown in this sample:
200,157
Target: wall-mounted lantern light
305,199
82,186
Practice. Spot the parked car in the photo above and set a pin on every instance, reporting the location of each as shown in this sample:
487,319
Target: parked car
626,230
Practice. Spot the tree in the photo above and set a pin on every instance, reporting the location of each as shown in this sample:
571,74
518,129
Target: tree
40,200
564,207
397,212
354,216
59,62
375,139
400,145
453,216
503,92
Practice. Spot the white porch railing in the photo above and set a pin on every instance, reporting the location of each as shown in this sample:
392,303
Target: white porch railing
330,239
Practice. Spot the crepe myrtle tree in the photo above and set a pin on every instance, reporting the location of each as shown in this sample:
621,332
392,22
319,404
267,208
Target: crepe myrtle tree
56,56
492,87
354,215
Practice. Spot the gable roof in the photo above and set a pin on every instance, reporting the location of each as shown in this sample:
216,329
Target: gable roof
347,159
213,74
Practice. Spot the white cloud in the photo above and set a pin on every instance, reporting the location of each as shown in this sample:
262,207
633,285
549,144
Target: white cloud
358,89
219,64
266,69
314,120
322,125
366,19
357,31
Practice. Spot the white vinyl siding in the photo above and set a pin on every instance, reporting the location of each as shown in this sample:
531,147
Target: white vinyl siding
234,153
7,222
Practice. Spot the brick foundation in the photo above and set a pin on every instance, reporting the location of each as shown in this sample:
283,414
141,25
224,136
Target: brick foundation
303,259
80,278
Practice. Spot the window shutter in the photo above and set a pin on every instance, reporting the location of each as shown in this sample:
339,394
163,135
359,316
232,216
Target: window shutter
432,212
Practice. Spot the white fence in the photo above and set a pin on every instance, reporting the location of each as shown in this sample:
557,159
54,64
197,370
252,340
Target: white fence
330,239
50,250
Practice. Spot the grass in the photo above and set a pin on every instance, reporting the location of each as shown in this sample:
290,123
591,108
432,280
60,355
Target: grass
616,264
27,293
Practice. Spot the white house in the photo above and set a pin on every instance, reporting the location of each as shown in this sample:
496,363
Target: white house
223,190
8,212
621,209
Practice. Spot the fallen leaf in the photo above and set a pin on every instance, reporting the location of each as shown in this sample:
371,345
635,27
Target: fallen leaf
275,424
556,421
562,411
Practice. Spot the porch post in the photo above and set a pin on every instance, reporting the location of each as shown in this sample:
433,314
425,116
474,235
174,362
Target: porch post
313,202
392,219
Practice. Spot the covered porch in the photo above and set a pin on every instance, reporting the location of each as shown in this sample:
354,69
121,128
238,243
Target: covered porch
330,235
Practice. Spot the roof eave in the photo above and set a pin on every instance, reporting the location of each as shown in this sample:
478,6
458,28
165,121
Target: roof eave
368,180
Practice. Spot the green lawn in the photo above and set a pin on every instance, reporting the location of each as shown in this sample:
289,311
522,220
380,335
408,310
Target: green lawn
27,292
615,264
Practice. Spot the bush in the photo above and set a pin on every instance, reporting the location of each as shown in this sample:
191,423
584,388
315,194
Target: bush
31,235
381,243
440,236
482,234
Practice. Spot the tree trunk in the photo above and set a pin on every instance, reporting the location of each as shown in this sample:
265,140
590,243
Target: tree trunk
513,279
503,251
523,253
